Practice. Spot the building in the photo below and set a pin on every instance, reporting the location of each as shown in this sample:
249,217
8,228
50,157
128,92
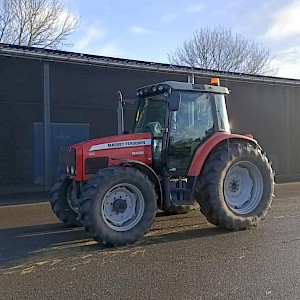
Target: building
50,99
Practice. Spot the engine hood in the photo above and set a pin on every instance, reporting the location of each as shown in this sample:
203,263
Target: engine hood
103,152
115,142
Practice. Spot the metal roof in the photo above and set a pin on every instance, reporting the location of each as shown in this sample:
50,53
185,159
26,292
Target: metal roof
105,61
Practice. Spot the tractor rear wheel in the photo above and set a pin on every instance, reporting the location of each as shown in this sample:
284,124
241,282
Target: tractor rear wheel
118,205
235,188
63,200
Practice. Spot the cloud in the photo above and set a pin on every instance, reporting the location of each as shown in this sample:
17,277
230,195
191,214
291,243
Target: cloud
138,30
68,16
288,62
93,39
89,35
109,49
169,17
195,8
285,22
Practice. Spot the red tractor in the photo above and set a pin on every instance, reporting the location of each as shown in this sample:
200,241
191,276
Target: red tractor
181,150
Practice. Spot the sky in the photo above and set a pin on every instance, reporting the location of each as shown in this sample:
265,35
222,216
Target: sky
150,29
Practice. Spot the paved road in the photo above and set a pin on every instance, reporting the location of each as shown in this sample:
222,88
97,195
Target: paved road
183,257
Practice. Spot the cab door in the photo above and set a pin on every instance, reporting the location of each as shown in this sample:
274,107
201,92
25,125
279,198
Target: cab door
189,127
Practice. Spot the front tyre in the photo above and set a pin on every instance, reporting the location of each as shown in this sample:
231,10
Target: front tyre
118,206
63,200
236,186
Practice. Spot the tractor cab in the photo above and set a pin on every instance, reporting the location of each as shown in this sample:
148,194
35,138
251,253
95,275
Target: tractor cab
180,117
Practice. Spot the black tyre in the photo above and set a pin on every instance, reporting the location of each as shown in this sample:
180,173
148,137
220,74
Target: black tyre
118,206
235,188
63,200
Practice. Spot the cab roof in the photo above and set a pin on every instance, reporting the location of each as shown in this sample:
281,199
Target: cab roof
182,86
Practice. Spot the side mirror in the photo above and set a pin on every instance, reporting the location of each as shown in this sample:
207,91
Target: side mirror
174,102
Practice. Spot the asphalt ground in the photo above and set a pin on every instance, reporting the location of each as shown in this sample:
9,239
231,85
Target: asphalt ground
182,257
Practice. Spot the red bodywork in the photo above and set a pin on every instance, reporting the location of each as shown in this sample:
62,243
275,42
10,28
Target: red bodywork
204,150
138,147
135,146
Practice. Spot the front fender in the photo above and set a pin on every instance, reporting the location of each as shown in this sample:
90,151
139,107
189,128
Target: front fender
204,150
147,170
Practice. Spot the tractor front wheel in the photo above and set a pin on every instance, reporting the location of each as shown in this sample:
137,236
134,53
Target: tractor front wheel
236,186
64,201
118,205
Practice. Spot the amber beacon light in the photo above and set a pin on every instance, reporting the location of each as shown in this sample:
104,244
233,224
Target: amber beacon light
215,81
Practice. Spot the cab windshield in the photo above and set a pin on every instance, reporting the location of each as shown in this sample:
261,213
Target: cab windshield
151,112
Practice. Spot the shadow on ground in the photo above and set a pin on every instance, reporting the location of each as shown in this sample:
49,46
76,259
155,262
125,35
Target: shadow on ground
55,241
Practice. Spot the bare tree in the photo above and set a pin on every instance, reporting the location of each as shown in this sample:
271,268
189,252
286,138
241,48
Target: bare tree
41,23
220,49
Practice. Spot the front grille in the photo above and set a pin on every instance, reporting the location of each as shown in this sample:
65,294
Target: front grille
93,165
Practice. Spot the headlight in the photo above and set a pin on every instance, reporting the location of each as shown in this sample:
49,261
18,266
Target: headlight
72,170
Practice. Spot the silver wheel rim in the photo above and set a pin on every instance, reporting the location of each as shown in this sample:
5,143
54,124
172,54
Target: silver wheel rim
243,187
122,207
72,198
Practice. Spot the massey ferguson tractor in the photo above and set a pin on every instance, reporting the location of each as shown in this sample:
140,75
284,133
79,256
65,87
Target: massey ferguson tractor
181,150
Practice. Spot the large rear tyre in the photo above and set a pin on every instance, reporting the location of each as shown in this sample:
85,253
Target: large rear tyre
118,206
63,200
235,188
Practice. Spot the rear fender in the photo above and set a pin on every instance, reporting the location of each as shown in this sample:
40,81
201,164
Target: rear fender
147,170
204,150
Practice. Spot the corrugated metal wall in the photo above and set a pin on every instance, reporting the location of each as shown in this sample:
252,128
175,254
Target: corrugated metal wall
271,113
88,94
21,94
62,135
